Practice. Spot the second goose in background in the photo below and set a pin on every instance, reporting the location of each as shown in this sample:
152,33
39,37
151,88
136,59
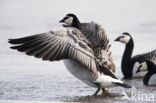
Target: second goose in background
129,64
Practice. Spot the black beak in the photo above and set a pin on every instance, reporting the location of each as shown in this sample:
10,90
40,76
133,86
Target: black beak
117,39
139,69
61,21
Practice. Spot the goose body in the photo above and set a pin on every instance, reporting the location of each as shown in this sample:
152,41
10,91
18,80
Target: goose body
80,72
96,36
129,64
150,77
71,46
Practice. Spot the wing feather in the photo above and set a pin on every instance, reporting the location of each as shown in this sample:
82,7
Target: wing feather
53,46
99,41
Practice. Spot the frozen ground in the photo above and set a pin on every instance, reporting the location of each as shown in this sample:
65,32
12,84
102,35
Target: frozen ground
24,78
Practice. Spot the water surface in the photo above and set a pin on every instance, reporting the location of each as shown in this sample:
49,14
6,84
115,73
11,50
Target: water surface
24,78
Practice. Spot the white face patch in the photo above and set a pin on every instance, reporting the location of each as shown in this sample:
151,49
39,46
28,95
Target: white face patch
140,73
69,20
124,39
143,67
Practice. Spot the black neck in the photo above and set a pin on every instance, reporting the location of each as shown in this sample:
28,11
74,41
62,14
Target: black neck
147,76
151,66
127,64
76,23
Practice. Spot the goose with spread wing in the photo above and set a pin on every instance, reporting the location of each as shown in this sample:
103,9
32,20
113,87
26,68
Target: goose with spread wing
96,36
129,64
69,45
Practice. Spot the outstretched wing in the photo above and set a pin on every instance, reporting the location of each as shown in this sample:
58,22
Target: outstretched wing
100,41
67,43
146,56
96,35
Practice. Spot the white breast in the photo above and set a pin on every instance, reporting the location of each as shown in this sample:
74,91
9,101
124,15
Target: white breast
80,72
152,80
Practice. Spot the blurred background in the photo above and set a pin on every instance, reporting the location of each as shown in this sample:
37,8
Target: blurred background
27,78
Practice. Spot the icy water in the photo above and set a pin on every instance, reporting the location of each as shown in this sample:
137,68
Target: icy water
24,78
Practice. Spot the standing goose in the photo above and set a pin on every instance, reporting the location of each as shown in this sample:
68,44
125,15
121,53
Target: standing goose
130,64
97,37
150,77
69,45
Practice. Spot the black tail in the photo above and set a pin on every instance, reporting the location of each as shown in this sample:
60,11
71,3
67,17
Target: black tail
123,85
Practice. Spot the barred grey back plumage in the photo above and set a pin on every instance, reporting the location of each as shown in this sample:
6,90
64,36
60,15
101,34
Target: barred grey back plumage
146,56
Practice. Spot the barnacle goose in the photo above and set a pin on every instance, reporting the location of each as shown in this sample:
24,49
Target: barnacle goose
69,45
150,77
130,64
97,37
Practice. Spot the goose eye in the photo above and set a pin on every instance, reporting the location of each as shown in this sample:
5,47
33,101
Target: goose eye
65,18
122,37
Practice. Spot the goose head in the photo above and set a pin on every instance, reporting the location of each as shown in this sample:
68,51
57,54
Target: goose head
146,65
70,20
124,38
142,67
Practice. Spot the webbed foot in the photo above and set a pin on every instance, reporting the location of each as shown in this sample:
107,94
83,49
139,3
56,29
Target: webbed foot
105,93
